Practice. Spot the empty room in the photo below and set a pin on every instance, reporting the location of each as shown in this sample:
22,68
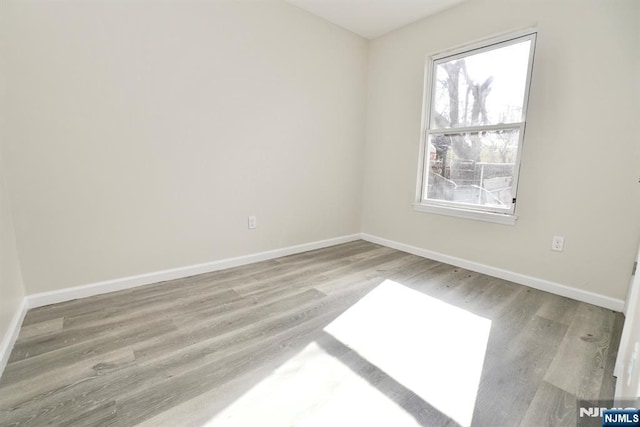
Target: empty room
319,213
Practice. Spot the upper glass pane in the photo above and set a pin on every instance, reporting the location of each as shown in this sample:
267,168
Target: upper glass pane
477,89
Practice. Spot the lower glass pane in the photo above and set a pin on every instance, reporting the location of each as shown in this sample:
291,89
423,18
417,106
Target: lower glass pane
473,168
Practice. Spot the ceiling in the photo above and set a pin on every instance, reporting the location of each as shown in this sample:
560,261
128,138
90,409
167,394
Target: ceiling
373,18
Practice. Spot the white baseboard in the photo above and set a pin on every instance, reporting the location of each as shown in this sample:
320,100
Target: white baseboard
11,336
532,282
68,294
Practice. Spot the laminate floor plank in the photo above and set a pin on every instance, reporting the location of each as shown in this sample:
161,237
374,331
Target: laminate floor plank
341,266
59,359
196,333
187,385
36,330
510,384
405,275
167,304
561,310
103,415
150,374
222,348
98,390
585,348
108,327
469,289
212,404
551,407
288,329
318,276
49,382
438,280
510,319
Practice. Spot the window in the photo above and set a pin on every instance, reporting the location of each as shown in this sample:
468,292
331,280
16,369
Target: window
475,115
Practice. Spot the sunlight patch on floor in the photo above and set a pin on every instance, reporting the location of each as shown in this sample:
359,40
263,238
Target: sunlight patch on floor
431,351
434,349
313,389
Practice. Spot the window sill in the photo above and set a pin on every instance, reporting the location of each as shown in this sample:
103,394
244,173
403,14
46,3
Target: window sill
496,218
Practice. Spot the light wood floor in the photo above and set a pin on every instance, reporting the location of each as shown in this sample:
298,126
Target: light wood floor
251,342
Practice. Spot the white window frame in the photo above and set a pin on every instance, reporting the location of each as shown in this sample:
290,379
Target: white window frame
459,209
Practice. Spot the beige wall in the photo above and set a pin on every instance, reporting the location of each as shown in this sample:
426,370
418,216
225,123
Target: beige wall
579,174
142,134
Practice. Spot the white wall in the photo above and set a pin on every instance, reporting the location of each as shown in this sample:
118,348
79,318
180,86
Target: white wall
142,134
579,175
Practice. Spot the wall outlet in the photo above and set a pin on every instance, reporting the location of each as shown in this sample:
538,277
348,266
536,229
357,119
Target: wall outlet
557,243
252,222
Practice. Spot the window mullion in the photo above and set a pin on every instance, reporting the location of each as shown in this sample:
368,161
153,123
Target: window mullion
473,129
